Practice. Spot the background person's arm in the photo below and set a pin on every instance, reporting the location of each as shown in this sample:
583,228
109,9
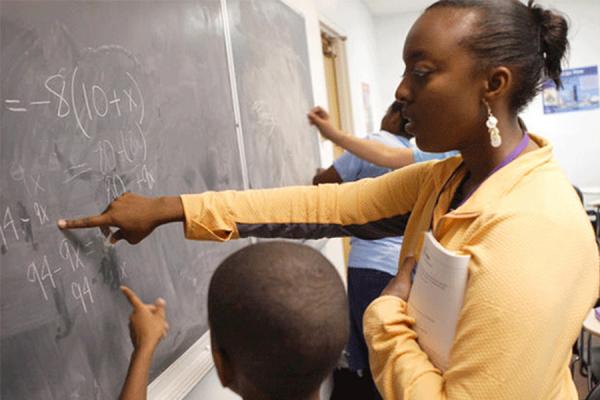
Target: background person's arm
369,150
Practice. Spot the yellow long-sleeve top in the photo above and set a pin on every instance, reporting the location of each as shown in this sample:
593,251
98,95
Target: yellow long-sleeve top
533,274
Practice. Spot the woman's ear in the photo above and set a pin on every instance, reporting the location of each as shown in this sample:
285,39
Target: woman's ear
498,83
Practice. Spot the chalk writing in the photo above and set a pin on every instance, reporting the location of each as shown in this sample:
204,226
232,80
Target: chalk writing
40,212
82,96
76,171
63,107
17,173
107,156
8,222
264,116
145,178
40,274
132,142
116,100
13,105
77,118
79,292
114,186
36,184
90,97
98,91
71,254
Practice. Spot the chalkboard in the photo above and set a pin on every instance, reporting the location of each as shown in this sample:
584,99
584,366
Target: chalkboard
273,79
98,98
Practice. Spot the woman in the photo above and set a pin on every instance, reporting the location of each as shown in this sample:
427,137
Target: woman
471,66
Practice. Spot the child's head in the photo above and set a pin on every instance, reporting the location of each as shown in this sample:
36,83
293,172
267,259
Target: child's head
278,319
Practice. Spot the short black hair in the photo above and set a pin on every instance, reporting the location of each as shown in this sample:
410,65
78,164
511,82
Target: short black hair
528,38
398,128
278,310
395,107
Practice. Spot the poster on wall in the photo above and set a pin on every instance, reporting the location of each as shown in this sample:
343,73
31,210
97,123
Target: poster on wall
366,98
579,91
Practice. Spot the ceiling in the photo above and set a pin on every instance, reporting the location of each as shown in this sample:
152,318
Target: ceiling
386,7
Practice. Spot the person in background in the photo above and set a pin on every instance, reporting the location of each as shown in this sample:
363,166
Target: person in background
371,263
373,151
278,323
471,67
381,153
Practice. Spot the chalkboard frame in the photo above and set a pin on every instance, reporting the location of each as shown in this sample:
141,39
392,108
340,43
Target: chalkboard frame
185,373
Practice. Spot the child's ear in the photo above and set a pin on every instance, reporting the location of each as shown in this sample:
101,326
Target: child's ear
223,364
224,367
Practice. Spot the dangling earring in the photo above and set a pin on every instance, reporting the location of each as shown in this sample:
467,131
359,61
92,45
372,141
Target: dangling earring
492,125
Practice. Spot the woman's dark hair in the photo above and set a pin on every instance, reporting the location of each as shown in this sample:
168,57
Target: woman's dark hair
528,38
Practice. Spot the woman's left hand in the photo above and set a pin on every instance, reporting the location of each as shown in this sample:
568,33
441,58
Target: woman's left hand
401,284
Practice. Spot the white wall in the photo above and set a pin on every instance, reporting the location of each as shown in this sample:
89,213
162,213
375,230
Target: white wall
352,18
390,32
575,135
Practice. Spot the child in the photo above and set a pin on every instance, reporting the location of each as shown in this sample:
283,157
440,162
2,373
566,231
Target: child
278,322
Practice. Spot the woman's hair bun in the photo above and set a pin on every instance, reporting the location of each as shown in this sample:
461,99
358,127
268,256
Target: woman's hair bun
553,29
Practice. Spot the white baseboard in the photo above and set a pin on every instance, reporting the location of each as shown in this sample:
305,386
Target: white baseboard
180,377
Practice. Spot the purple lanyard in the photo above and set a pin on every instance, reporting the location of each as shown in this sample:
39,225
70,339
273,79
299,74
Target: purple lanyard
511,157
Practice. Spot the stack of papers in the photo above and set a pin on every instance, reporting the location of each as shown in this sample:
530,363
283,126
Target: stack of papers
436,299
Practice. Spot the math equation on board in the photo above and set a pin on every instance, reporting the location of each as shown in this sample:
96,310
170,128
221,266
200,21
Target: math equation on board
105,116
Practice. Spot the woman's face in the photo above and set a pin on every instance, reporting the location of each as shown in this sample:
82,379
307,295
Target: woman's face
441,90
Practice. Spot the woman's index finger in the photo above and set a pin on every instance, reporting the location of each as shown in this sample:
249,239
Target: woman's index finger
85,222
